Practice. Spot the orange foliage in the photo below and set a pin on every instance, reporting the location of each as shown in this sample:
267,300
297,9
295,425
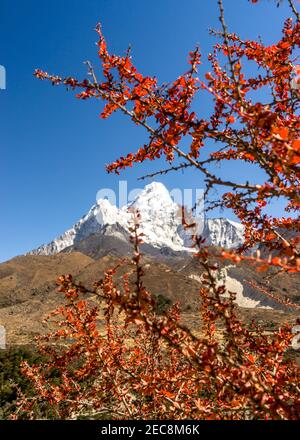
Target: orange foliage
149,366
170,373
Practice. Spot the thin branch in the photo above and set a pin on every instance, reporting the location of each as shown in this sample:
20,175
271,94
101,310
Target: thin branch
293,8
214,179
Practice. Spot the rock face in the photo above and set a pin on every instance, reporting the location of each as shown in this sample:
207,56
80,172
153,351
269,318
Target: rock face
161,224
223,232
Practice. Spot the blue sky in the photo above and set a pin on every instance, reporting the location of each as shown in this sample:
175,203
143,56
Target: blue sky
54,147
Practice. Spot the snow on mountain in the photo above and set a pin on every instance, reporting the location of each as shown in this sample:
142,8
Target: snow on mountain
160,217
160,222
223,232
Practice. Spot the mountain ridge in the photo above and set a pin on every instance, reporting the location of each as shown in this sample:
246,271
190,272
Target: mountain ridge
161,224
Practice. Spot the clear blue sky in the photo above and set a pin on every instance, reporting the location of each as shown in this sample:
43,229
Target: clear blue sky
54,147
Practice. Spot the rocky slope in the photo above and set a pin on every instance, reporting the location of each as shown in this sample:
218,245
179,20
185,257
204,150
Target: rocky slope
28,291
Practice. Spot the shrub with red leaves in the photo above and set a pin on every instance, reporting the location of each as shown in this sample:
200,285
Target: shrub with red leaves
150,366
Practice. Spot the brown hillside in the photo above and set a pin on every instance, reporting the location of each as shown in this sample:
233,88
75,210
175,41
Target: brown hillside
28,289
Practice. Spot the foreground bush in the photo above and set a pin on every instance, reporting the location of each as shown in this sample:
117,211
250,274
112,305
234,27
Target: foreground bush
149,366
11,377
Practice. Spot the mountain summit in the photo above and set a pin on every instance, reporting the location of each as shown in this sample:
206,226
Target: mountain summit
161,224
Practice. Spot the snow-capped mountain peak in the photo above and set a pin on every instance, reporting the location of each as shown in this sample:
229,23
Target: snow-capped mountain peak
152,195
161,224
